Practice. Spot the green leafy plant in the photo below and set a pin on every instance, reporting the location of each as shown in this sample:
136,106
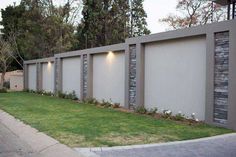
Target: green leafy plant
91,101
179,117
106,104
167,114
3,90
140,110
152,111
6,85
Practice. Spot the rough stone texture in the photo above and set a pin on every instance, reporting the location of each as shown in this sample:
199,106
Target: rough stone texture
56,75
38,73
221,77
85,75
132,76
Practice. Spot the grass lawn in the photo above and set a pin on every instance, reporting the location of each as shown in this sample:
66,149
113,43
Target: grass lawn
81,125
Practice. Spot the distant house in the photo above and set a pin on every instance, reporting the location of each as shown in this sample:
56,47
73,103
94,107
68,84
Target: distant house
14,79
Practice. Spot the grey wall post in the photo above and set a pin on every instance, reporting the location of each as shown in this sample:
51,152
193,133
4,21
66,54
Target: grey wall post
232,78
82,77
39,76
57,75
140,74
127,63
26,76
90,76
210,48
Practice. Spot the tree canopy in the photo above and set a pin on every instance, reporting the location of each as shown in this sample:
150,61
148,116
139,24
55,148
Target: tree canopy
195,12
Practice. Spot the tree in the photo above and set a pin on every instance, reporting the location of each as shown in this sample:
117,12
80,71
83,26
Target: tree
138,24
195,12
41,29
5,59
108,22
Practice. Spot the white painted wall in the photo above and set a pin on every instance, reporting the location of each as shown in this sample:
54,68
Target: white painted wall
48,77
32,77
109,77
71,75
175,74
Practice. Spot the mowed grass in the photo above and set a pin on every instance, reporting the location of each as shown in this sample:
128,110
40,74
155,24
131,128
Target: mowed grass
82,125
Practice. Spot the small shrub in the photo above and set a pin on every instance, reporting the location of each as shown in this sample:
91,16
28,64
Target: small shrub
179,117
61,95
3,90
152,111
6,85
26,90
116,105
91,101
193,116
106,104
167,114
140,110
32,91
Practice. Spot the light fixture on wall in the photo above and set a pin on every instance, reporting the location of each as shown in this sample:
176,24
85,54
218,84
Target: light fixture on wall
110,56
49,65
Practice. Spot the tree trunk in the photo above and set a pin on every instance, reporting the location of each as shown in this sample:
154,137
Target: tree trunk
2,79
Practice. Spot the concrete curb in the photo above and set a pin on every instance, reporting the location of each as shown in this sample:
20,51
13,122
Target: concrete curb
101,149
42,145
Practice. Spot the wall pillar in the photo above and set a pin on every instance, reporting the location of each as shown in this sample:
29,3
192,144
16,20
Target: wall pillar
210,48
39,76
140,74
232,79
89,76
134,79
127,76
84,76
26,76
57,75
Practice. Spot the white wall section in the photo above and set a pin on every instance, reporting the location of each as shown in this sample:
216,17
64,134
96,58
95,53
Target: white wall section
109,77
48,77
175,76
71,75
32,77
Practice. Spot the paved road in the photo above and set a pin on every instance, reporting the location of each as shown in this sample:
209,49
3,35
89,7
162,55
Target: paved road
11,145
221,146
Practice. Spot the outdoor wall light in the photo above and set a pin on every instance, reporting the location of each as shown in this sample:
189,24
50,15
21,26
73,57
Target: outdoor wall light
49,65
110,56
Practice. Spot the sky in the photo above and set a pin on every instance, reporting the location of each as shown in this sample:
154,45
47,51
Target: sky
155,9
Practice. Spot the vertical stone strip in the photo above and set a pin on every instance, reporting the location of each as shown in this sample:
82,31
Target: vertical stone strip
89,76
38,76
221,73
85,76
132,76
26,76
57,75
